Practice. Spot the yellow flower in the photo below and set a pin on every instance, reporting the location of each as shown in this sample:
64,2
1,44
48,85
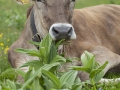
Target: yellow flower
6,49
2,44
1,34
25,1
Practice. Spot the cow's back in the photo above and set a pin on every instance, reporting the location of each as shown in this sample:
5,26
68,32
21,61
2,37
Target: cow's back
97,25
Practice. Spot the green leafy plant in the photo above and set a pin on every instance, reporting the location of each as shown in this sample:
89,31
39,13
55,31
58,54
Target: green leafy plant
43,74
93,68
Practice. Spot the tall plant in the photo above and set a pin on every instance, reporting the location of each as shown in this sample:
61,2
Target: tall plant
43,74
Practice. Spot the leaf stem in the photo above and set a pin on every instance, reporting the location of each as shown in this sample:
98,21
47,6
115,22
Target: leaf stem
93,83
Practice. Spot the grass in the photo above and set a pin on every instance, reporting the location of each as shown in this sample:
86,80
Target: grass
12,20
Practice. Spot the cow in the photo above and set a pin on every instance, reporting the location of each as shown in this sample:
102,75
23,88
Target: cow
95,29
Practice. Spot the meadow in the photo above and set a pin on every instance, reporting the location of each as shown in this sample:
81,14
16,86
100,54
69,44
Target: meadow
12,21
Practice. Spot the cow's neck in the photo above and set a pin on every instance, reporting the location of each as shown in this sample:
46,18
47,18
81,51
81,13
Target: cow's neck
37,30
36,37
38,22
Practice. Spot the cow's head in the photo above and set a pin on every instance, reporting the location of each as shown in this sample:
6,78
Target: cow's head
56,17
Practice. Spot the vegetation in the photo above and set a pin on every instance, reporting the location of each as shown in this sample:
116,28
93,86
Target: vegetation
12,21
46,72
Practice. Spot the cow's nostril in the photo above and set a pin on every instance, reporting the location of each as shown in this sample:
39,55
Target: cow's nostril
63,32
55,31
70,31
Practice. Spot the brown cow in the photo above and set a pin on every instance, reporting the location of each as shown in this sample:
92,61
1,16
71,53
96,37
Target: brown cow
97,29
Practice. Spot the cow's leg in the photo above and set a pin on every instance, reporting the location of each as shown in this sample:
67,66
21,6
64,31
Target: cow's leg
102,54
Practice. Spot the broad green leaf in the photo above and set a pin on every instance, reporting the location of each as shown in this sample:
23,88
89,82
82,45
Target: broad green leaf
48,83
36,74
58,58
98,77
44,48
80,68
20,72
36,85
49,66
100,74
53,78
97,65
42,51
85,57
46,42
45,53
11,85
29,74
53,53
35,43
77,86
94,72
91,63
31,52
33,63
98,70
69,78
103,66
78,80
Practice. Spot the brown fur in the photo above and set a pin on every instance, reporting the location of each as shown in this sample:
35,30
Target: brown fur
97,29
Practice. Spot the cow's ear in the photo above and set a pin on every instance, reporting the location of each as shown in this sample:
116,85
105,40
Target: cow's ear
22,1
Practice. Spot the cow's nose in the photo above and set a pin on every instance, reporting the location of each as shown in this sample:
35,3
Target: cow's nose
62,31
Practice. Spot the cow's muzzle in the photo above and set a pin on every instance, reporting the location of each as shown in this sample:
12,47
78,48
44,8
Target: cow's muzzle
61,31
